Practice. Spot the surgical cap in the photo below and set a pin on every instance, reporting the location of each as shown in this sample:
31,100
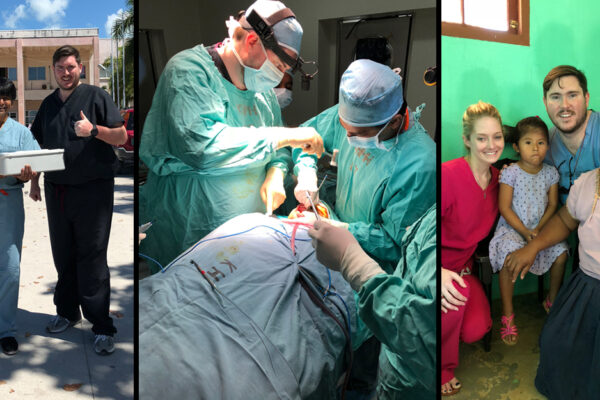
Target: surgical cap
288,32
370,94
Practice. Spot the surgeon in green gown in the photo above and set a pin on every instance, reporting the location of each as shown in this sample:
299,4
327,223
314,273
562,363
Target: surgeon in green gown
213,139
399,308
386,176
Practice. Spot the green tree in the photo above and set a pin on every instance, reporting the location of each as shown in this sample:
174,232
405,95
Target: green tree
123,29
118,74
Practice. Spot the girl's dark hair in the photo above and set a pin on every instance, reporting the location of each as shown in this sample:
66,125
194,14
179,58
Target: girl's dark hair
513,134
7,88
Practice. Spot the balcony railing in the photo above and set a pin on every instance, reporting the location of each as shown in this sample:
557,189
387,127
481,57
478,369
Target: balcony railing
47,33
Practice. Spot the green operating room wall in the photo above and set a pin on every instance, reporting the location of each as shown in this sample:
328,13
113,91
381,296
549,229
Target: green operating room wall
510,76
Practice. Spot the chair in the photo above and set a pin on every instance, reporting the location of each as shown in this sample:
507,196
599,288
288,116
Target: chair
484,267
485,274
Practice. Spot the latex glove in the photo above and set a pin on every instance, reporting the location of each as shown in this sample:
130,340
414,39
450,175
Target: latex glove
272,191
451,297
339,250
307,181
306,138
35,192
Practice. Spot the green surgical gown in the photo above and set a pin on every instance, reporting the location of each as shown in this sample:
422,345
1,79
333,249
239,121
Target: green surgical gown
206,154
400,310
378,193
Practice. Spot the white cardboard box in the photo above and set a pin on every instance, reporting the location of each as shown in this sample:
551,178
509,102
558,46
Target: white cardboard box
40,161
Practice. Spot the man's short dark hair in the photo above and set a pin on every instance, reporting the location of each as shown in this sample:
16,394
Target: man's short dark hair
65,51
7,88
564,70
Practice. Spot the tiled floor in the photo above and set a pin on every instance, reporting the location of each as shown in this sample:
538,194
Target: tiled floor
506,372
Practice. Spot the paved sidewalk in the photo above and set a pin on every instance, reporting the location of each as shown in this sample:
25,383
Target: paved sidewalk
47,362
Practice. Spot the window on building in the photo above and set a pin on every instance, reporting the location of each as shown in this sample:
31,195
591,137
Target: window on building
8,72
505,21
104,71
37,73
12,115
30,116
82,75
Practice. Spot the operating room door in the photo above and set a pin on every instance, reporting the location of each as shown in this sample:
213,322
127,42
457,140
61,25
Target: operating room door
383,39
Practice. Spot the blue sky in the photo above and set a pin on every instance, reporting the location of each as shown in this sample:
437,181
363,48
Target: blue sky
48,14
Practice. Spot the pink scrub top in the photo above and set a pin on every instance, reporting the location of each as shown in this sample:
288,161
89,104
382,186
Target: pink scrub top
468,212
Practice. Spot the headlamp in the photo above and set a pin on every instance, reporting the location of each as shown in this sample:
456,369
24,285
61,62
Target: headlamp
264,30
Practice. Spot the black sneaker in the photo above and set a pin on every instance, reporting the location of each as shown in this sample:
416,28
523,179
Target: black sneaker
9,345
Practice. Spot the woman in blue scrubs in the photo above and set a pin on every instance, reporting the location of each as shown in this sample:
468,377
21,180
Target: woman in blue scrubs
13,137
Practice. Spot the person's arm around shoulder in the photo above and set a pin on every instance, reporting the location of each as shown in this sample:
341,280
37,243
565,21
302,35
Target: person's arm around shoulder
114,136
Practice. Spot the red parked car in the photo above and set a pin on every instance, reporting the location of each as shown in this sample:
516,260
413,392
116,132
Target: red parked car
124,152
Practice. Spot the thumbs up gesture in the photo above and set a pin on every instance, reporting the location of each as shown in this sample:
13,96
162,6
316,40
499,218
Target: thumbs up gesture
83,127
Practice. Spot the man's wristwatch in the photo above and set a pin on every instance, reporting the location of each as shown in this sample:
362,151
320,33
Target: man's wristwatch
94,131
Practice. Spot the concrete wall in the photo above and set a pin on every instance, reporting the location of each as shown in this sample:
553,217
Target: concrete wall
191,22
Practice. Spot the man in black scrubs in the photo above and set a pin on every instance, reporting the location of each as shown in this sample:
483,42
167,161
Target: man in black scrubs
84,121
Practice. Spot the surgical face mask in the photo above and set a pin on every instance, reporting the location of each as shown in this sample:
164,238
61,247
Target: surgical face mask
284,97
263,79
373,142
368,142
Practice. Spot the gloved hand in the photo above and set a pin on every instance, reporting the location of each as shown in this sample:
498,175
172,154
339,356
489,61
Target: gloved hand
305,138
307,181
339,250
272,191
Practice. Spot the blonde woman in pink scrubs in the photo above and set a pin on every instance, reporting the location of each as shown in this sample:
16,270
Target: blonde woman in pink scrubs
469,208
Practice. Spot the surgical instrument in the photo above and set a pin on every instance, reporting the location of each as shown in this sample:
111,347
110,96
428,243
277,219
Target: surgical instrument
322,182
313,206
145,227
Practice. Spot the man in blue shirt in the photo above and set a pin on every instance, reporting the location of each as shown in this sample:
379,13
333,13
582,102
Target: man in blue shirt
575,137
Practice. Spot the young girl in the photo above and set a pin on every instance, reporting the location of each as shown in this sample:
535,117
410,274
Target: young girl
528,197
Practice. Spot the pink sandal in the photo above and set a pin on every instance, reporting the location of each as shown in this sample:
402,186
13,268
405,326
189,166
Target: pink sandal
509,329
547,304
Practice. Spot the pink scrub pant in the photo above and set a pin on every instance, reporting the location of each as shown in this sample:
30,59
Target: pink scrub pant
469,324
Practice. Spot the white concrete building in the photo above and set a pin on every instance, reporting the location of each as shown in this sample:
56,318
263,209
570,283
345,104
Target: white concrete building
26,59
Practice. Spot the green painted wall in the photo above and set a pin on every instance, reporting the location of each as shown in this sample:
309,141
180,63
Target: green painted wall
510,76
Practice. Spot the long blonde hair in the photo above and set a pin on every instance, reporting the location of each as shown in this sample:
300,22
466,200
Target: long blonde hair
473,113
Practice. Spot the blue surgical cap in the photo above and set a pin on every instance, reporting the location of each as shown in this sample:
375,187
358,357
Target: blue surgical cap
288,32
370,94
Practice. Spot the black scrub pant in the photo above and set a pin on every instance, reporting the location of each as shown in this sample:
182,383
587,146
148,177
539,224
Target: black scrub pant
79,219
